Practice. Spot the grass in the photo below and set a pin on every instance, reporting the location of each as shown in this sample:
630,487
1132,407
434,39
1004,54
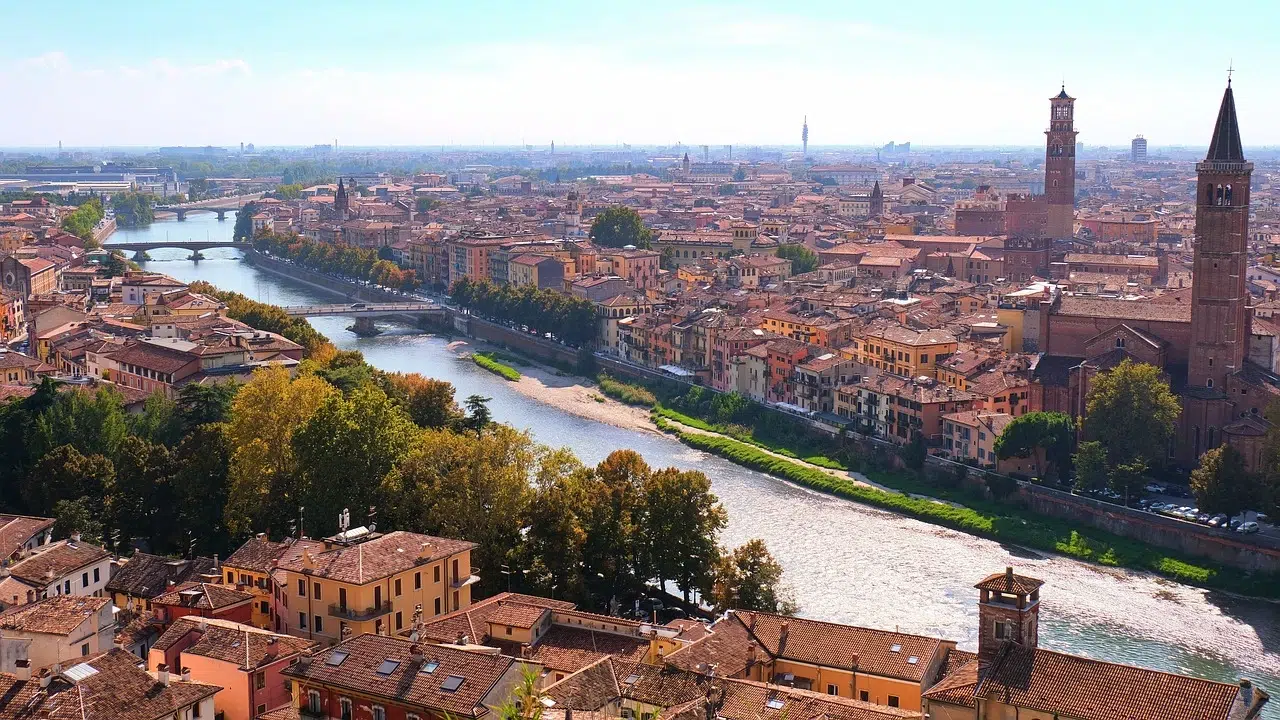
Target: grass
988,519
489,362
744,434
629,393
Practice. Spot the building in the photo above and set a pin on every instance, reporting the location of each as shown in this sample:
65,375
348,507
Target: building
58,630
66,567
899,350
900,409
143,577
249,569
365,582
108,686
22,534
393,678
1060,167
1138,150
202,600
246,662
971,434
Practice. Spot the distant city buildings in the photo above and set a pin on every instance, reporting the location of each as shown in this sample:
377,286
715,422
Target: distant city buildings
1138,150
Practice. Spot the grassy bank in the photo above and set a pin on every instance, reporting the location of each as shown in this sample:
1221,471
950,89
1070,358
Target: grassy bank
990,520
629,393
489,362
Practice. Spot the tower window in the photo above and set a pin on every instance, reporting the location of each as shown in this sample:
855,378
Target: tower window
1228,196
1209,383
1119,342
1208,194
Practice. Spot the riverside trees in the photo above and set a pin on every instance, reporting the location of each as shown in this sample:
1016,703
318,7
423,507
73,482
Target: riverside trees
572,319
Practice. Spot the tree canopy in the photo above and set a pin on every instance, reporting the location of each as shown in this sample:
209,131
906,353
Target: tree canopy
1131,411
618,226
802,259
1221,484
749,578
1054,433
568,318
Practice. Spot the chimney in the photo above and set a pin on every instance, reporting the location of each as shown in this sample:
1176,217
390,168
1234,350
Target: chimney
75,536
45,678
1246,693
415,653
186,674
162,674
24,670
526,652
751,655
782,635
1008,578
304,660
424,551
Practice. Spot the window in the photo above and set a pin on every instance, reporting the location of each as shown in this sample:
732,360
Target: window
265,607
893,701
95,575
315,590
313,701
399,620
437,606
1004,630
864,696
455,569
508,629
302,621
84,579
437,573
302,587
417,581
259,680
379,713
455,599
342,598
195,711
262,709
66,586
832,689
319,623
345,707
397,587
84,649
924,359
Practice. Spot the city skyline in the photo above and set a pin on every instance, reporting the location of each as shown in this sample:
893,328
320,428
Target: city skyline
578,74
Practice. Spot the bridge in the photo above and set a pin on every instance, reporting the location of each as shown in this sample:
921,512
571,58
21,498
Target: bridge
365,313
139,249
221,206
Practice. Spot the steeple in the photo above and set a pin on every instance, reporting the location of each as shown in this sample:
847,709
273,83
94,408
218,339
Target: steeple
1225,145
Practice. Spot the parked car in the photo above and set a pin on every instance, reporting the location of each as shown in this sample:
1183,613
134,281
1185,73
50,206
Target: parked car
1218,520
1248,528
1155,488
1262,518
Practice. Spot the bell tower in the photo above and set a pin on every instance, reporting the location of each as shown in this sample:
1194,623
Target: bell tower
1008,611
1060,166
1219,298
340,202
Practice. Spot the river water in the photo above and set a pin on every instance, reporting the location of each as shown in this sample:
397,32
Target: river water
845,562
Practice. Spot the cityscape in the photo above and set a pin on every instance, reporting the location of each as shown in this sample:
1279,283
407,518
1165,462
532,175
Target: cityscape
445,367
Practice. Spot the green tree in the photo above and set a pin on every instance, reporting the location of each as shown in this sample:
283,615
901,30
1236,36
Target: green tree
159,421
802,259
134,209
552,552
1117,399
1051,432
749,578
92,422
1091,466
76,516
1129,478
202,404
428,401
291,191
667,260
618,226
200,487
1222,484
243,231
81,221
426,204
139,500
66,474
478,415
680,524
739,174
914,453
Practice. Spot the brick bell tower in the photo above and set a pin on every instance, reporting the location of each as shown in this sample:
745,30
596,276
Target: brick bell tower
1219,299
1008,611
1060,166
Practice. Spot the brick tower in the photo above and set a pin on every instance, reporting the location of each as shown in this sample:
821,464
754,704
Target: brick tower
1219,299
1008,611
1060,166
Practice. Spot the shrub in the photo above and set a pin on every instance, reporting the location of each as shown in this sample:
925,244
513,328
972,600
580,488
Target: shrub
629,393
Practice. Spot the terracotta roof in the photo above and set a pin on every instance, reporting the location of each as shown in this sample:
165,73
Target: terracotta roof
404,679
591,688
206,596
119,690
378,558
474,621
259,554
957,684
725,647
878,652
1124,309
57,615
516,614
147,576
1088,689
16,530
1008,582
569,649
61,558
749,700
248,647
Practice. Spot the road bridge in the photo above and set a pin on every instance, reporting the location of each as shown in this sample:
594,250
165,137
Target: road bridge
221,206
365,313
139,249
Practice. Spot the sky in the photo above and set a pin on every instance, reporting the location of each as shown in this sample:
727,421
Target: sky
476,72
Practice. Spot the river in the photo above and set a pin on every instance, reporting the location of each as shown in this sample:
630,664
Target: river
845,562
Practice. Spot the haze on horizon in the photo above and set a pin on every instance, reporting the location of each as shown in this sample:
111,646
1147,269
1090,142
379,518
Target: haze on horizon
503,73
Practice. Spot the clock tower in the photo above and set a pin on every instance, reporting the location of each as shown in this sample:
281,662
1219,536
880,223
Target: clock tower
1060,167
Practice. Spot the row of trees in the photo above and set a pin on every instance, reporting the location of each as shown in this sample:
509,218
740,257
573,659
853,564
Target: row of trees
81,221
571,319
348,260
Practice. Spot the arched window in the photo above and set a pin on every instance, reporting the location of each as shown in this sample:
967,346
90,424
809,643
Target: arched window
1196,443
1219,200
1209,383
1227,197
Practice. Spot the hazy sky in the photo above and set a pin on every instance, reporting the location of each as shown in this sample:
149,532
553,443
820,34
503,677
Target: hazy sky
428,73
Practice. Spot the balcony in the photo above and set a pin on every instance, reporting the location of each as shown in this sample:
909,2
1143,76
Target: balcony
359,615
471,579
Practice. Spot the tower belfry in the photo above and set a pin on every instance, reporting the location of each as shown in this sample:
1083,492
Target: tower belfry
1060,166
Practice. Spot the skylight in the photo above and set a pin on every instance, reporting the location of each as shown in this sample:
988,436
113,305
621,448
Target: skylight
895,648
388,666
76,673
337,657
451,683
913,660
430,667
632,679
774,704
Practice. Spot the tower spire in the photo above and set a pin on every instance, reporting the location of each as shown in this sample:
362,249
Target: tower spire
1225,145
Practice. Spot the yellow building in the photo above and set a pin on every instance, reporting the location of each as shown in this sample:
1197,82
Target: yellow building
365,582
249,569
899,350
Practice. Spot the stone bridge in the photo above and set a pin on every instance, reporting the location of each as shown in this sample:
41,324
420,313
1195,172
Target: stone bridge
365,313
221,206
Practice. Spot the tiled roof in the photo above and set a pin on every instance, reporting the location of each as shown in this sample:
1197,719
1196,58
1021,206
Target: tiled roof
407,683
60,558
725,647
206,596
843,646
1087,689
748,700
958,682
259,554
1123,309
662,686
119,690
248,647
16,530
474,621
569,649
378,558
591,688
147,576
57,615
516,614
1008,582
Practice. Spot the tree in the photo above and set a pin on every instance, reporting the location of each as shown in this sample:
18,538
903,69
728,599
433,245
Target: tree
264,483
1221,484
739,174
1129,478
914,453
243,231
200,486
66,474
478,415
428,401
618,226
749,578
159,421
552,552
1050,432
92,422
202,404
802,259
426,204
345,449
76,516
667,260
679,527
611,519
139,500
134,209
1091,466
1116,401
82,221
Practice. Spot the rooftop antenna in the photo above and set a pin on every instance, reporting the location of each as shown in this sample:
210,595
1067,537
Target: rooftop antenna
344,521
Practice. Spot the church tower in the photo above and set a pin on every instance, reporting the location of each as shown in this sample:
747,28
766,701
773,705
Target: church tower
340,202
1219,299
684,166
877,200
1060,166
1008,611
